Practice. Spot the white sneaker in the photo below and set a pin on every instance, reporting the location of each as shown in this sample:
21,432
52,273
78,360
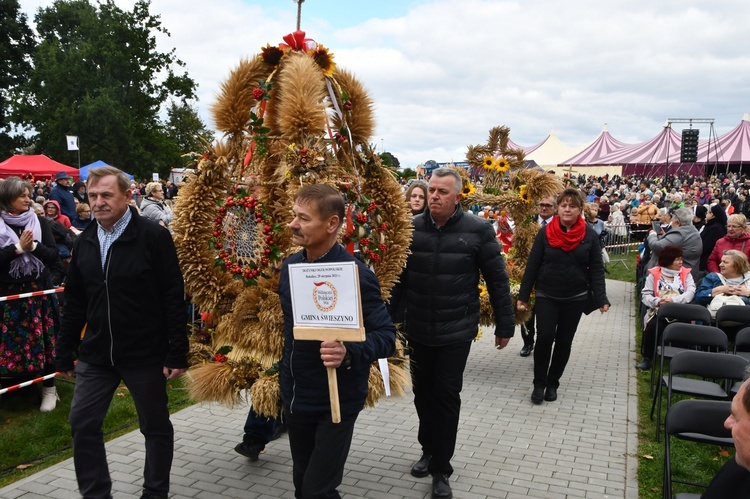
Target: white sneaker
49,399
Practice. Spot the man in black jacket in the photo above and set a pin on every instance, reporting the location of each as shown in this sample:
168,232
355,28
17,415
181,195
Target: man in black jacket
319,447
125,286
439,292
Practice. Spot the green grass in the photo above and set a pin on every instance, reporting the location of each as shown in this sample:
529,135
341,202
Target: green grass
31,441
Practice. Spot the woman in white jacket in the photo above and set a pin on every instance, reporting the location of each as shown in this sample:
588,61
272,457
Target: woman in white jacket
153,206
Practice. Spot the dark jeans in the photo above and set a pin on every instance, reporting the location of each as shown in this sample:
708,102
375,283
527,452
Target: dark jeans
258,429
319,451
437,374
95,386
556,324
527,330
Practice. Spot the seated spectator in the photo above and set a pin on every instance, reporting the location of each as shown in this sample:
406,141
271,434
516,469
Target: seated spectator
737,238
715,229
683,235
669,282
83,216
699,220
52,212
733,278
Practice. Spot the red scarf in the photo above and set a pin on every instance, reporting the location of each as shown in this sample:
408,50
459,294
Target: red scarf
567,241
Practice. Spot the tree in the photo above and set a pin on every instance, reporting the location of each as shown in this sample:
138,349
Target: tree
389,159
407,173
97,74
16,46
186,131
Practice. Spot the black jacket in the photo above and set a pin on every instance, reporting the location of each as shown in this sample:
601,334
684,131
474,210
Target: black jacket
135,311
564,274
439,290
304,378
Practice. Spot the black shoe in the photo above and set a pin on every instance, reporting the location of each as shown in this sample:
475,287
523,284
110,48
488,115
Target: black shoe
250,451
550,394
537,395
526,350
421,467
146,495
645,364
440,486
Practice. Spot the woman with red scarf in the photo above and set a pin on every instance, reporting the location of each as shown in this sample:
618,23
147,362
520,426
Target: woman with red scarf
565,266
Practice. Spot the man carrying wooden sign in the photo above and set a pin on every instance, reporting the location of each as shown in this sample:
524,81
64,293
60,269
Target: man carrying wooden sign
327,308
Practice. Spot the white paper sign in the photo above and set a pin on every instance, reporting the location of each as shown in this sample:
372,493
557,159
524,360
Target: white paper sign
325,295
155,177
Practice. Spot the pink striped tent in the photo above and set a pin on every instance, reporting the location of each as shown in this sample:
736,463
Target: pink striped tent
601,147
732,148
656,157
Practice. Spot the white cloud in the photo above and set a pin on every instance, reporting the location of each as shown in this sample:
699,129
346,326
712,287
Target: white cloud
442,73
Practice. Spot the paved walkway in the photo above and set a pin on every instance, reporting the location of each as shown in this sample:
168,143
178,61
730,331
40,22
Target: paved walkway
583,445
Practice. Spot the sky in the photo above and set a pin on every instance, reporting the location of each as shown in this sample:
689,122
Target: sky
442,73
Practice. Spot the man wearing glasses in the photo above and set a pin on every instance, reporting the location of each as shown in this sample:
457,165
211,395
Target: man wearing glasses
546,208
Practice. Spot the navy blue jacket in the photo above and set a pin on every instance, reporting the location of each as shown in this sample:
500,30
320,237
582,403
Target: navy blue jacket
304,378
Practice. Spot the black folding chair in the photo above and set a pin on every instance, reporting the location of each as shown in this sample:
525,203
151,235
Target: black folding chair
699,421
675,312
732,318
742,343
677,338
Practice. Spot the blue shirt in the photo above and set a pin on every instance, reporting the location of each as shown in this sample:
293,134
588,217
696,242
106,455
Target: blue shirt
108,237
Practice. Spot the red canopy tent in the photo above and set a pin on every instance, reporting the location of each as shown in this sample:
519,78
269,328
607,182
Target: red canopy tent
38,165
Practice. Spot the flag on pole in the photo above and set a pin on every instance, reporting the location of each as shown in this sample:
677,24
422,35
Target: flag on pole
72,142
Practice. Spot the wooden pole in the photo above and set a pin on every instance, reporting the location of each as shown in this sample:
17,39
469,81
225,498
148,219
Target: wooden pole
333,393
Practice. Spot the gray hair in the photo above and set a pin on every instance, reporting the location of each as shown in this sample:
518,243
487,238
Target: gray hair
684,216
12,189
445,171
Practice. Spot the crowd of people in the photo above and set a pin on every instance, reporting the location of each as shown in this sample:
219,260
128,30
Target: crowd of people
694,238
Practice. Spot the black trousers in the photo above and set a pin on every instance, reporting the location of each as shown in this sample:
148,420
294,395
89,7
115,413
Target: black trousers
528,330
437,374
556,324
95,387
319,451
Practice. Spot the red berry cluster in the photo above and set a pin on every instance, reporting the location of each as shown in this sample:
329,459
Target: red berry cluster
220,357
258,93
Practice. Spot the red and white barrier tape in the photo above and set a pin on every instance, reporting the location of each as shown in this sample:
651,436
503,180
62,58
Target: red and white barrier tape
33,293
27,383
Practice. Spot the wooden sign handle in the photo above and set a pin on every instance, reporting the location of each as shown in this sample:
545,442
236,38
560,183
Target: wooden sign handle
333,393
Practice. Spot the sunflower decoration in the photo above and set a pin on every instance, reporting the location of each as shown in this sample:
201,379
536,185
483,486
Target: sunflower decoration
489,163
323,59
502,165
512,187
468,189
289,117
271,55
523,193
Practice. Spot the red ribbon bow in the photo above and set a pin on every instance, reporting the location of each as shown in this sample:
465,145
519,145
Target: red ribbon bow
297,41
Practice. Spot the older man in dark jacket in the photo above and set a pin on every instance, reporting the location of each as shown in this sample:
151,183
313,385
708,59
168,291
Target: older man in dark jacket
125,286
439,292
319,447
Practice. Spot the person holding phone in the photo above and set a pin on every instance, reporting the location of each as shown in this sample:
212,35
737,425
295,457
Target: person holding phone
683,235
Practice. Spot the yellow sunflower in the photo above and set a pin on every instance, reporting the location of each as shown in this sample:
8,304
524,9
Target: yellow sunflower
502,165
323,59
468,189
523,193
489,163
